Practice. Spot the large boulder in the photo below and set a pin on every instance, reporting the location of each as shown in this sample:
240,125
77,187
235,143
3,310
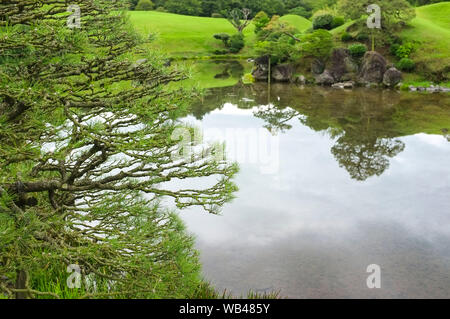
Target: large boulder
283,72
392,77
325,78
373,68
342,67
261,70
260,74
317,67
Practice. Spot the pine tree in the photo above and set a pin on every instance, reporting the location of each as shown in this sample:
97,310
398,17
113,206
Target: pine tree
87,118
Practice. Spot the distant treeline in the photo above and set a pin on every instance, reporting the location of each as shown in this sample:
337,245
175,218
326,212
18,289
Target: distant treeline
208,8
213,8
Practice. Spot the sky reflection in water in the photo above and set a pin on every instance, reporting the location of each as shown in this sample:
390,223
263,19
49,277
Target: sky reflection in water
311,229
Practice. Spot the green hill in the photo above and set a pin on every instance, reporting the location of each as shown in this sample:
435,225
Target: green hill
438,13
301,23
185,35
193,36
431,28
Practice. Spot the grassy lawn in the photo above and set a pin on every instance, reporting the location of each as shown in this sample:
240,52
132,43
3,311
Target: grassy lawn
185,35
431,28
339,30
193,36
437,13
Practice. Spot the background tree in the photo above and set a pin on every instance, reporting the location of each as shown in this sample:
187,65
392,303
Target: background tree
239,18
423,2
261,20
364,156
87,126
144,5
301,11
278,40
316,45
133,4
187,7
209,7
277,28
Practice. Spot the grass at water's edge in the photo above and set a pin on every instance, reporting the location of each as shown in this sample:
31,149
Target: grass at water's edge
206,291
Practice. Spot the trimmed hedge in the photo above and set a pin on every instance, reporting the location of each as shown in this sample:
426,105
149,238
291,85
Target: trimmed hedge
406,64
236,43
323,22
346,37
357,50
337,22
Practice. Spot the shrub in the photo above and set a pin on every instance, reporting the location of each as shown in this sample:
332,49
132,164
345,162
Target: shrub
362,37
406,64
221,52
261,20
346,37
323,22
393,49
216,15
236,43
144,5
404,51
357,50
224,37
248,78
337,22
300,11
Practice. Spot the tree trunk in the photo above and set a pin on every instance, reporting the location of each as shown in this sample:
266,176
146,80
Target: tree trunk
21,283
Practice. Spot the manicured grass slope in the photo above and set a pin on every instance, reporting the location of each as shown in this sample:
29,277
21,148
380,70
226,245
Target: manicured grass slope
437,13
431,28
193,36
185,35
301,23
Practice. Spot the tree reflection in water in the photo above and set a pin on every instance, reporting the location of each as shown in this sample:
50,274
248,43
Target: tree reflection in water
365,157
366,125
358,150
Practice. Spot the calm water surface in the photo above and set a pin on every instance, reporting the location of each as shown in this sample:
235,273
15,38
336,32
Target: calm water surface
355,178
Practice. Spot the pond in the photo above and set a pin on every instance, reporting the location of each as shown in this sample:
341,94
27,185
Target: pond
330,182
